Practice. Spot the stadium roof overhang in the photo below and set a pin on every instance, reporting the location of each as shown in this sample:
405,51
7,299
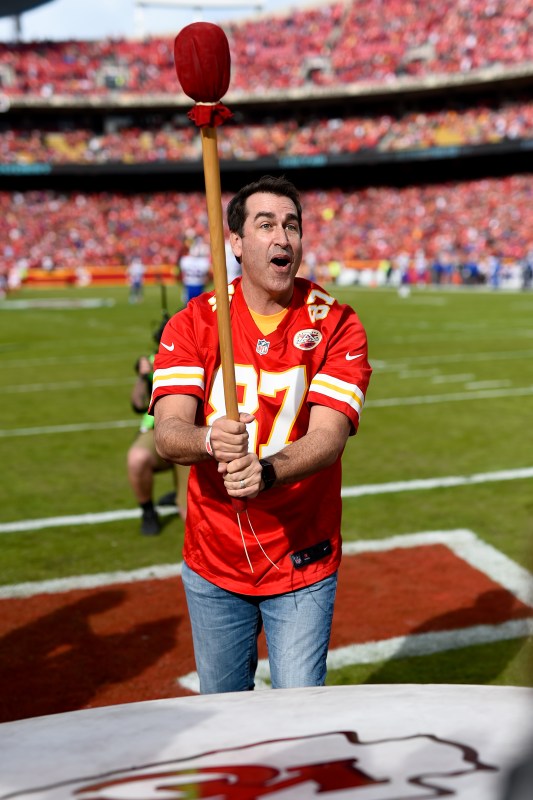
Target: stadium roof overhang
13,8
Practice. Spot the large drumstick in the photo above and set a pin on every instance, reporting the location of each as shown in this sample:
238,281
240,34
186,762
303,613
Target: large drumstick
202,59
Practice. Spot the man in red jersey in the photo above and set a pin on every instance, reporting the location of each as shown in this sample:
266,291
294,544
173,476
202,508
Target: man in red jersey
302,372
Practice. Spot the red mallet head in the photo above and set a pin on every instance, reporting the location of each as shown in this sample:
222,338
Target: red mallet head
202,59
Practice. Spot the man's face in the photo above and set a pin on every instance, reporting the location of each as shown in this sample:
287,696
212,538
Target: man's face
270,247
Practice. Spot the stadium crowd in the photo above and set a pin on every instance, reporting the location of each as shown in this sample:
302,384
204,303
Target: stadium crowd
480,124
49,230
424,224
400,39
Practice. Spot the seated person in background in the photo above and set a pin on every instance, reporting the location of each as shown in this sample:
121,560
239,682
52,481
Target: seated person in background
143,461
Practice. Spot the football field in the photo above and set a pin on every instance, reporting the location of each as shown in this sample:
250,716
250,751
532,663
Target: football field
437,485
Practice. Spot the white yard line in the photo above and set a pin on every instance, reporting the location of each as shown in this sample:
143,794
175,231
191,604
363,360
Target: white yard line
78,519
447,482
77,427
416,644
473,385
58,585
422,644
444,377
434,483
20,526
451,397
385,402
26,388
398,365
463,542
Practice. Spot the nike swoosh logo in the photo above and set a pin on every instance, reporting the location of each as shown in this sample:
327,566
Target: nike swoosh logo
169,347
351,358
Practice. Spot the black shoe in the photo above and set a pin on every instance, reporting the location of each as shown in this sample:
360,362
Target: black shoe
150,524
168,499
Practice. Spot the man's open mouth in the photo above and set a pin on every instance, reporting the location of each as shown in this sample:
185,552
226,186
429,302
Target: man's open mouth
280,261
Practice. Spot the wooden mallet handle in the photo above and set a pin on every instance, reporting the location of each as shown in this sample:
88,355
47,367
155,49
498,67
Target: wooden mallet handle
202,59
220,275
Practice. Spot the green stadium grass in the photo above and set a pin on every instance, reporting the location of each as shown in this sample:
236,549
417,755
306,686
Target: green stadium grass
501,663
75,366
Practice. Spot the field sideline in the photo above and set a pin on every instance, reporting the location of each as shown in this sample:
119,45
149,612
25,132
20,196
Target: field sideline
444,445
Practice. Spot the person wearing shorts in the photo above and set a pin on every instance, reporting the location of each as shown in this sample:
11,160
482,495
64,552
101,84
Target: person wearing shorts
143,460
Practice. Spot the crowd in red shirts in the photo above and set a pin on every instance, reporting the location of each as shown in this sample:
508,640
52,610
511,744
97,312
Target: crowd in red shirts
358,41
342,42
49,230
480,124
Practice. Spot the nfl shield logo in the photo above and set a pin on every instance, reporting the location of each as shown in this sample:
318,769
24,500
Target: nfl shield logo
262,347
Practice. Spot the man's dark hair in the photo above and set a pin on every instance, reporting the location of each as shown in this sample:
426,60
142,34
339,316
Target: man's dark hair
236,211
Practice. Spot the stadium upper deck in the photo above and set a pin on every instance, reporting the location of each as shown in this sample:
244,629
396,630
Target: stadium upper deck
60,97
322,48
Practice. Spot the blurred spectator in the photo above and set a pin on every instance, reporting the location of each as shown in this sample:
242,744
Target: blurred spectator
471,274
233,268
494,267
194,270
3,282
136,272
527,270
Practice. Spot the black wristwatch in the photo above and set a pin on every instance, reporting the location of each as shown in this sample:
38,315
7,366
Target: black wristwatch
268,474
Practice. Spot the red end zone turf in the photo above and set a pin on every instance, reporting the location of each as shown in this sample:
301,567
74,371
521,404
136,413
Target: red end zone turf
130,642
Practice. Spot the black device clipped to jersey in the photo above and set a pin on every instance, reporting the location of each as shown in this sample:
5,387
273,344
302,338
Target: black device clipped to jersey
311,554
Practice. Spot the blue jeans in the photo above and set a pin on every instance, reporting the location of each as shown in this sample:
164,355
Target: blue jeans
225,627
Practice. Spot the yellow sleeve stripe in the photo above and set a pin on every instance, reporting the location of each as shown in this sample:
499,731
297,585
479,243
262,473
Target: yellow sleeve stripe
178,376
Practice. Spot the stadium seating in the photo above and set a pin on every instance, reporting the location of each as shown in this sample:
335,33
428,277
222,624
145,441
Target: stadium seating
53,230
343,43
479,124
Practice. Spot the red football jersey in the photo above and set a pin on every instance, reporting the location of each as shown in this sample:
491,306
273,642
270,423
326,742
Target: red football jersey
318,354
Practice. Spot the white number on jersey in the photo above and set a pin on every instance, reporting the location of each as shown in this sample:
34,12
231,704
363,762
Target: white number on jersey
292,384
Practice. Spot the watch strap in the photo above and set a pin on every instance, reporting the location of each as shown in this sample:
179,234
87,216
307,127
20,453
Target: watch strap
268,474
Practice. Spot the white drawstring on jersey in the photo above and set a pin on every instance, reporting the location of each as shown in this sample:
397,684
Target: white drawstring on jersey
238,513
209,450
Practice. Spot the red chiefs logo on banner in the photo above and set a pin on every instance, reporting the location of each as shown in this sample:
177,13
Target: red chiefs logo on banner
331,765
